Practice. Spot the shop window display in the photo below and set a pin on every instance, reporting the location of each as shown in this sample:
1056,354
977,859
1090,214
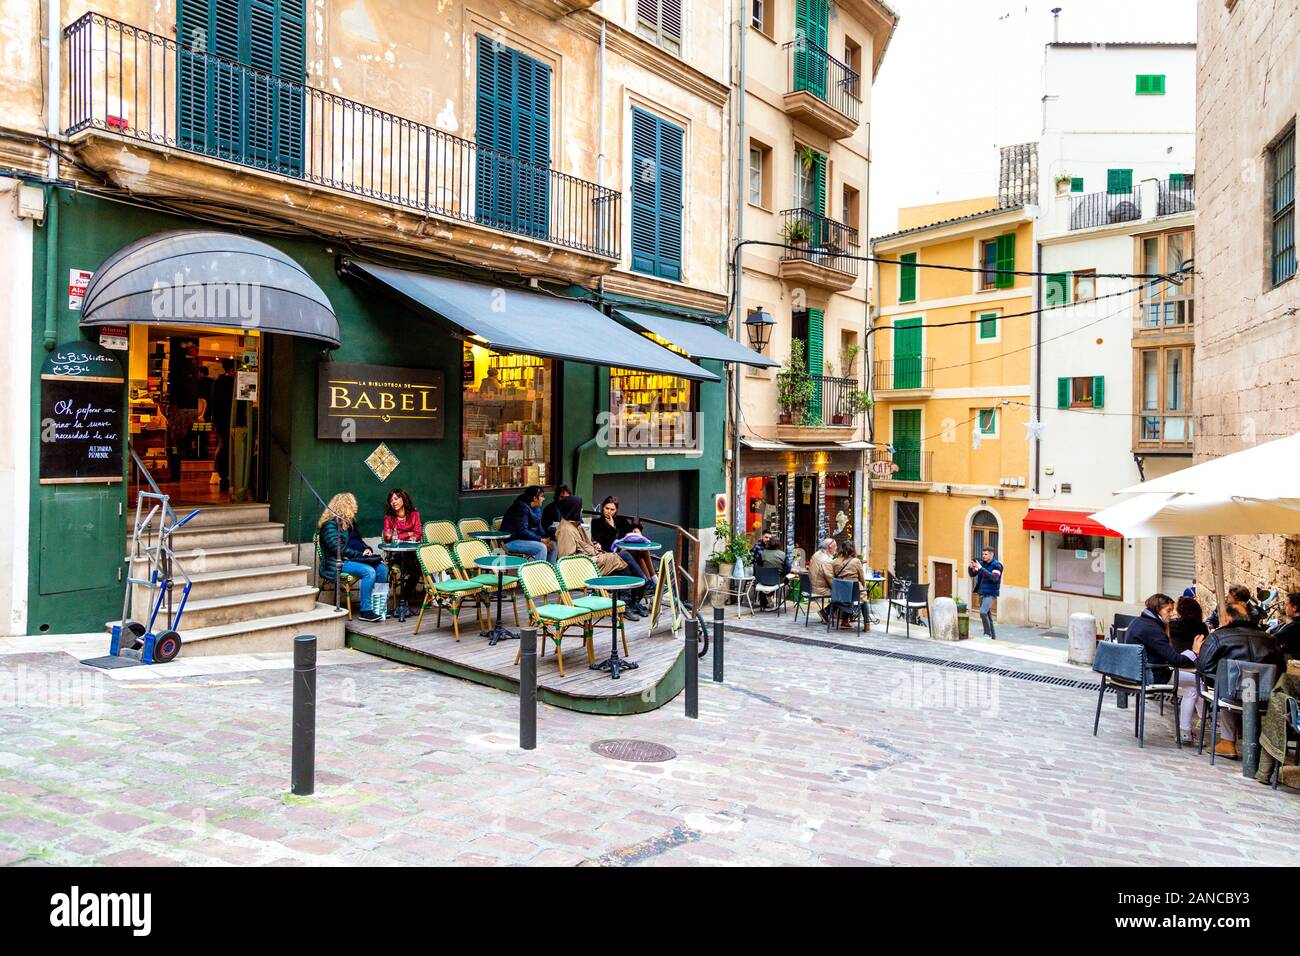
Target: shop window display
506,420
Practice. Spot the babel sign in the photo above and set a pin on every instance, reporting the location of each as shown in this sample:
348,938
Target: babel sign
378,401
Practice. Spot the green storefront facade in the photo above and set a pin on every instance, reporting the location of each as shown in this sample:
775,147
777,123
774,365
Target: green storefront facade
78,532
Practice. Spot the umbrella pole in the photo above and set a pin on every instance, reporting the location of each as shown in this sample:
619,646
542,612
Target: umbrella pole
1216,545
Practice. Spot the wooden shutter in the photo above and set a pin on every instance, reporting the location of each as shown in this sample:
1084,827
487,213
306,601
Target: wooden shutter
1076,184
812,24
816,351
670,18
907,278
1119,181
512,114
192,73
907,353
1063,393
988,325
1099,391
1058,289
906,440
1006,261
657,188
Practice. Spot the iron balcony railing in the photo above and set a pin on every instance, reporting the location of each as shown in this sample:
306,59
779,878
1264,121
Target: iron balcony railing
901,464
157,90
810,68
1177,196
831,401
900,374
1104,209
819,240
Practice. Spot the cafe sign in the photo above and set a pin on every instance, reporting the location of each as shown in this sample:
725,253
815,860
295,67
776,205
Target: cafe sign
378,401
83,415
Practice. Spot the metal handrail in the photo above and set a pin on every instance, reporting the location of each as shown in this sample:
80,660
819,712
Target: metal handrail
338,554
696,579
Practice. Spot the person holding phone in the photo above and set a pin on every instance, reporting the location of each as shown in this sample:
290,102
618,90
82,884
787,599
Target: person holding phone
986,582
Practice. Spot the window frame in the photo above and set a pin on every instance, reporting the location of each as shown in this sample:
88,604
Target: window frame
1142,415
692,411
1283,214
993,431
1164,294
1042,570
996,324
555,369
988,277
1084,274
683,219
763,24
655,30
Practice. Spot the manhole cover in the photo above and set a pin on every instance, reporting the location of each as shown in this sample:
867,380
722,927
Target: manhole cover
636,751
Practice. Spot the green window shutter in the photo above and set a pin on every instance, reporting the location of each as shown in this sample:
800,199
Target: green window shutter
819,180
1062,393
988,421
1076,184
1006,261
512,122
1119,181
193,74
811,23
1099,391
1058,289
988,325
907,277
906,439
907,353
1150,84
657,188
816,358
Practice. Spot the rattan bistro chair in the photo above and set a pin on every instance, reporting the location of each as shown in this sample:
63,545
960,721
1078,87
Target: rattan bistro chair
539,581
575,571
443,590
1125,668
346,581
496,523
441,532
464,554
467,526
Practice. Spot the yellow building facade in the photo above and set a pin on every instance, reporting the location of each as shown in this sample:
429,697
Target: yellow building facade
952,356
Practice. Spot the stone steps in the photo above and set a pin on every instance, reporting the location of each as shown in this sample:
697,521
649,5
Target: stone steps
267,634
205,560
214,584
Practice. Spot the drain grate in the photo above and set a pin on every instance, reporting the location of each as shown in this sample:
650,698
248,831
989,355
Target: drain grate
633,751
1050,679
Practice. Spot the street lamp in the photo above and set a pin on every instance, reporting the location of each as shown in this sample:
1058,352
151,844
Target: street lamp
758,325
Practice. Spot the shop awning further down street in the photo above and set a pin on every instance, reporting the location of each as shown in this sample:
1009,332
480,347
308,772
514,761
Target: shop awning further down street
209,278
530,323
1066,522
763,444
696,339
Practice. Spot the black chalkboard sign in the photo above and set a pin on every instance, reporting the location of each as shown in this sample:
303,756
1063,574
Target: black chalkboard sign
83,419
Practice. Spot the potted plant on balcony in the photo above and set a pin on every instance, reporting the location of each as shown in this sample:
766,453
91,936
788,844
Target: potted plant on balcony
1063,182
794,386
797,232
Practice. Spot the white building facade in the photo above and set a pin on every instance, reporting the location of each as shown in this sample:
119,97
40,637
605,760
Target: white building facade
1113,377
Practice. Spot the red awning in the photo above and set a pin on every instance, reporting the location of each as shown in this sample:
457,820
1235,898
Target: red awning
1066,522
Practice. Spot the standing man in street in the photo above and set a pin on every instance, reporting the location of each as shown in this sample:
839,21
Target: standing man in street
986,582
219,413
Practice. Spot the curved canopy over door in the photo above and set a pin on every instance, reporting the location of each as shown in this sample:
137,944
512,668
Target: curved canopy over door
209,278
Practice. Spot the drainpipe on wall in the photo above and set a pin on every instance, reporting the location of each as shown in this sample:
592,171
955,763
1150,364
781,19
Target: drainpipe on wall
869,426
53,52
1038,363
742,155
51,267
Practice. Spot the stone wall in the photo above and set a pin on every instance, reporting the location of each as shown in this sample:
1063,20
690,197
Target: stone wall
1247,357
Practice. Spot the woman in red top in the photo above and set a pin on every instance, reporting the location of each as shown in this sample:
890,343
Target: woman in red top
401,520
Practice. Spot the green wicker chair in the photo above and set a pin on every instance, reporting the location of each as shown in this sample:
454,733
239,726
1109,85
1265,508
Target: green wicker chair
575,571
464,553
496,523
441,532
346,581
467,526
443,590
539,581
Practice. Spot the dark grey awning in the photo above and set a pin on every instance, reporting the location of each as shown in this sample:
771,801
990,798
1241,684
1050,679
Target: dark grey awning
208,278
512,320
696,339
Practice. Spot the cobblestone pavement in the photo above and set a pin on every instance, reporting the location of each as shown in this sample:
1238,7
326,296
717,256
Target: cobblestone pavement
807,754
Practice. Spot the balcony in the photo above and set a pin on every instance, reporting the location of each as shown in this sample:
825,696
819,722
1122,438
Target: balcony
832,406
902,469
1176,196
824,252
140,105
822,92
909,377
1104,209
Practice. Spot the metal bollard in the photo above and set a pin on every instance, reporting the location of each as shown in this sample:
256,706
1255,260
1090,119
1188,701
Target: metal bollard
1249,723
303,767
528,688
692,668
717,644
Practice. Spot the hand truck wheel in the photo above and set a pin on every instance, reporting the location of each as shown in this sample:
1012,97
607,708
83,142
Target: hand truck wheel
166,646
136,630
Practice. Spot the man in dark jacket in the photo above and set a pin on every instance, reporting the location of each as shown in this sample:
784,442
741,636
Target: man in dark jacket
1288,635
551,513
182,400
1238,640
223,397
986,582
523,522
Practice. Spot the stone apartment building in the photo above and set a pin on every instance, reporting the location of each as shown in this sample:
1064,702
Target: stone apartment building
1247,351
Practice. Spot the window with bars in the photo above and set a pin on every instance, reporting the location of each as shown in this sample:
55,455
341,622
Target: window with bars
661,21
1282,158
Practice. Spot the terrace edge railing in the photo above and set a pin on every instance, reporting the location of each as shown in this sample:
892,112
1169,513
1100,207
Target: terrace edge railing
903,373
811,69
830,244
158,90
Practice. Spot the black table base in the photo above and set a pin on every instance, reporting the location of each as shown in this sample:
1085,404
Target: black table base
498,632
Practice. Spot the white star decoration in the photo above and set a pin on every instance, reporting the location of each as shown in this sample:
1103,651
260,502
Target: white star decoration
975,436
1033,429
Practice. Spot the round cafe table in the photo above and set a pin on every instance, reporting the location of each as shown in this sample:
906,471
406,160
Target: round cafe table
647,548
500,563
614,583
493,539
400,555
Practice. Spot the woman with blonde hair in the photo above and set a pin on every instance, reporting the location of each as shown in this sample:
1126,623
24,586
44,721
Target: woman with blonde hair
339,537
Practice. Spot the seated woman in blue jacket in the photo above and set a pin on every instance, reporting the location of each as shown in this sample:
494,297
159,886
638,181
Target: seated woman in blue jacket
523,522
339,535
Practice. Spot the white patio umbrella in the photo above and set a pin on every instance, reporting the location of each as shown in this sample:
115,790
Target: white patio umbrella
1253,491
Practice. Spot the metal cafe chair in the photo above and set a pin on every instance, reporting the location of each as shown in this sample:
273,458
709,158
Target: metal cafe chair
771,582
1225,694
908,598
1125,667
1119,627
806,599
846,602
